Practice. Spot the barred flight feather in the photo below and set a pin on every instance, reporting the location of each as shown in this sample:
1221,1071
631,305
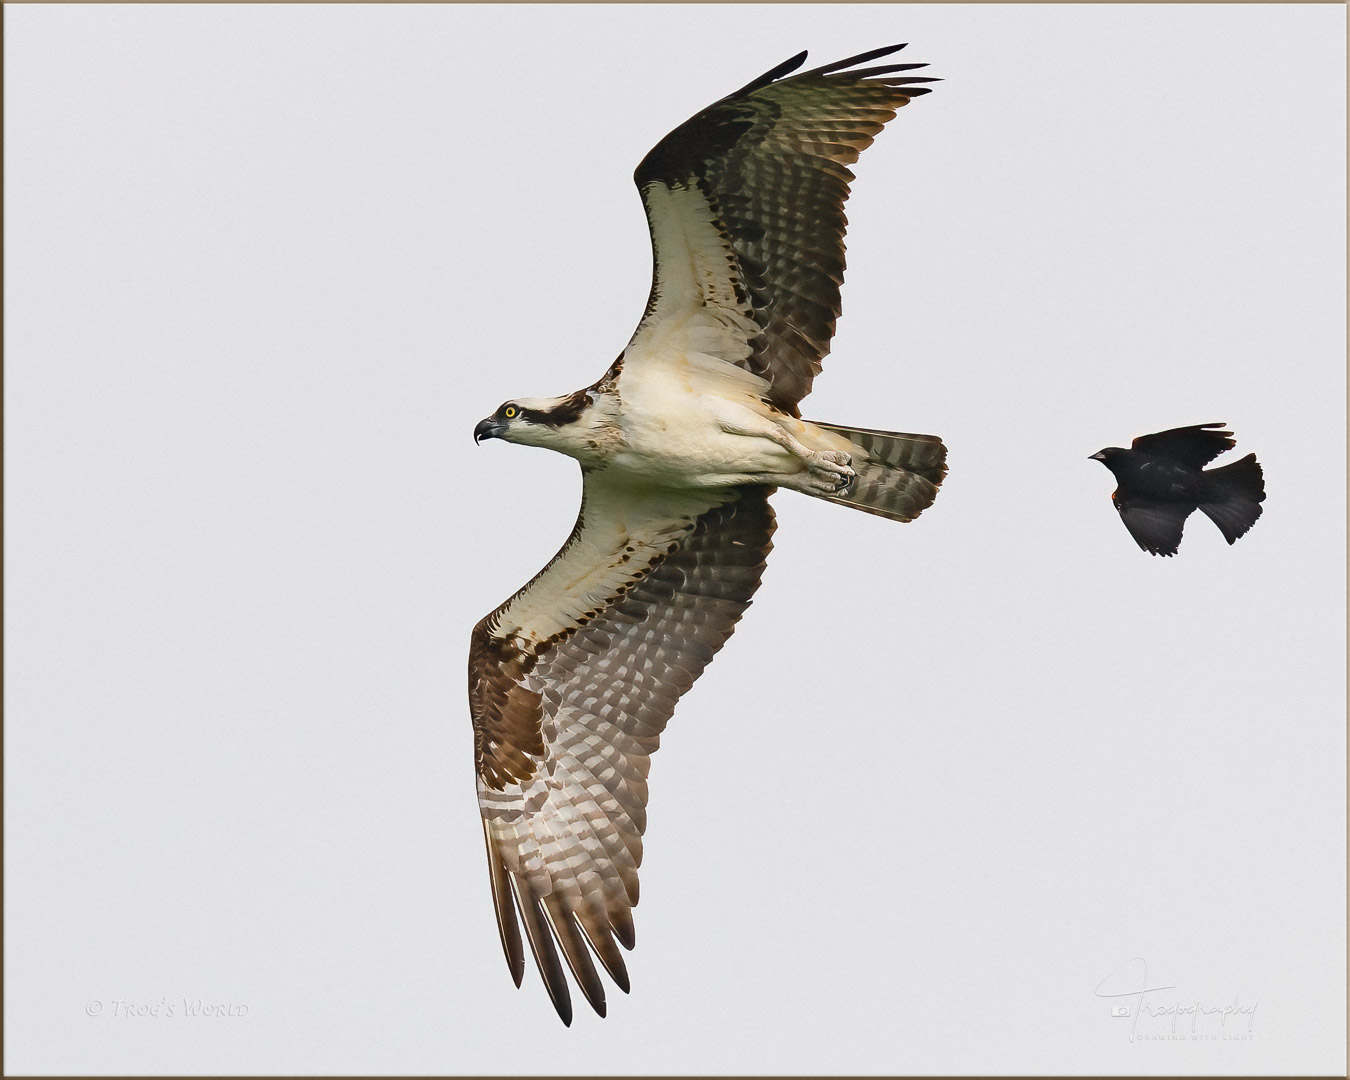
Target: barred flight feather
566,833
771,165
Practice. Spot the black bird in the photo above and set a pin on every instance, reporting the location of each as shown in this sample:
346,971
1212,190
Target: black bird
1161,480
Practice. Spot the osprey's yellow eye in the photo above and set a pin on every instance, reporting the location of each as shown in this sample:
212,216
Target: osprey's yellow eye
510,412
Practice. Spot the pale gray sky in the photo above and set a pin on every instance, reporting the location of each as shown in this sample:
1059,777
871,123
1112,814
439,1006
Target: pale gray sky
265,268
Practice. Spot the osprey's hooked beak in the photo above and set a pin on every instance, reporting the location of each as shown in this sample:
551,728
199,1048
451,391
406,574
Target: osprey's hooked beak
488,429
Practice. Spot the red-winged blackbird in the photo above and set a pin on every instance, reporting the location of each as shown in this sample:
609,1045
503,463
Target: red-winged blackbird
1161,480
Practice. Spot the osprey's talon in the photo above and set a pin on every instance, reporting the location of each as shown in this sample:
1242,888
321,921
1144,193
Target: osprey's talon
829,484
830,472
828,464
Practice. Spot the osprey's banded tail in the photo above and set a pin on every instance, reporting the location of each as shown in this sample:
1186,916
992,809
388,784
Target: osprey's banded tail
898,473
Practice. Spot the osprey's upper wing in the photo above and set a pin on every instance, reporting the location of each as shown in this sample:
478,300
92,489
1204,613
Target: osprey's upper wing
571,682
1194,446
745,205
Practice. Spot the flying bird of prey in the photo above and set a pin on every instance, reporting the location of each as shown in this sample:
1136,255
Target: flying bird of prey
1162,479
681,442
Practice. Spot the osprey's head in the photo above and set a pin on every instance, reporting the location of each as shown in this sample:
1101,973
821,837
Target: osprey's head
535,421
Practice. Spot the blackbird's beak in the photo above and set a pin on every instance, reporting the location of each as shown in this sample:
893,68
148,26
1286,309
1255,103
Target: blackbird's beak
1098,456
487,429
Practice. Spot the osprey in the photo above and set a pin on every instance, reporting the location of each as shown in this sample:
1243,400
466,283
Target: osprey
681,443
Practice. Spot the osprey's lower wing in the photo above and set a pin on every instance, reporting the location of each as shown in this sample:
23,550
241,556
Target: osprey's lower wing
571,683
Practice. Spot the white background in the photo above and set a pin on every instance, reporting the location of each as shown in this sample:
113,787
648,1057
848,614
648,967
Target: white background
266,267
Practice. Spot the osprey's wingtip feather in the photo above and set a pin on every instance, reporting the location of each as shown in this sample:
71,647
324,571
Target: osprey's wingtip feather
621,921
574,950
787,67
506,910
601,941
861,58
541,944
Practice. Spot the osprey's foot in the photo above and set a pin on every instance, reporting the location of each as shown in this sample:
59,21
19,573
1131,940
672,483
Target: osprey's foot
830,473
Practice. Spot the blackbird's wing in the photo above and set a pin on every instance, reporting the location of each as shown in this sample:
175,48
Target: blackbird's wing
1195,446
1155,526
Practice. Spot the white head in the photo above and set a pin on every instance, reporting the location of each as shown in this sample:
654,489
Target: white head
558,423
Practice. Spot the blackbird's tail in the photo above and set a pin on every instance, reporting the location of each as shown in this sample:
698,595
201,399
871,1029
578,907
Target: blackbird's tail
1233,496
